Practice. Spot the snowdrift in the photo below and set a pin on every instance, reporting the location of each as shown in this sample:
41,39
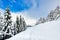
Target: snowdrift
46,31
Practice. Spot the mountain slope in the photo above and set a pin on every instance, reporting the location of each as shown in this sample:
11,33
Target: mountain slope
46,31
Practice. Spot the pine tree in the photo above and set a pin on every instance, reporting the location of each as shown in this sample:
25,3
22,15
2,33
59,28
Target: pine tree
15,29
50,16
24,24
41,20
20,24
7,20
17,24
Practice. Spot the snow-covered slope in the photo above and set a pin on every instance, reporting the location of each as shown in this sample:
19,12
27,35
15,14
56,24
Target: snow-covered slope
46,31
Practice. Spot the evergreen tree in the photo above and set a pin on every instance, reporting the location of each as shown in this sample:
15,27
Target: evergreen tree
20,24
41,20
7,21
24,24
17,24
15,29
50,16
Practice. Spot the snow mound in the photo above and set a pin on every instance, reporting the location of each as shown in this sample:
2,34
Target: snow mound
46,31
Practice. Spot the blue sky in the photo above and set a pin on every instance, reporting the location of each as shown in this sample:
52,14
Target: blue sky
42,7
33,9
15,5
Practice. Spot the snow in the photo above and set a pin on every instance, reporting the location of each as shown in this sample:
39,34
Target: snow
44,31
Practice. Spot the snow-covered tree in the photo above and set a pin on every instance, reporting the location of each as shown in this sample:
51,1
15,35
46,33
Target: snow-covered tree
54,14
41,20
13,28
5,32
1,21
7,21
22,24
17,24
50,16
57,12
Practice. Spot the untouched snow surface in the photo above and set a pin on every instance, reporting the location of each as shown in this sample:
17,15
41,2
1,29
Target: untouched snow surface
46,31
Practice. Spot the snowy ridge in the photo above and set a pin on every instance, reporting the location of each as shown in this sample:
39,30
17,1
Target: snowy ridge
46,31
53,15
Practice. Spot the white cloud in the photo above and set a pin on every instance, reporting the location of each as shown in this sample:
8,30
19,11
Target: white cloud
34,11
